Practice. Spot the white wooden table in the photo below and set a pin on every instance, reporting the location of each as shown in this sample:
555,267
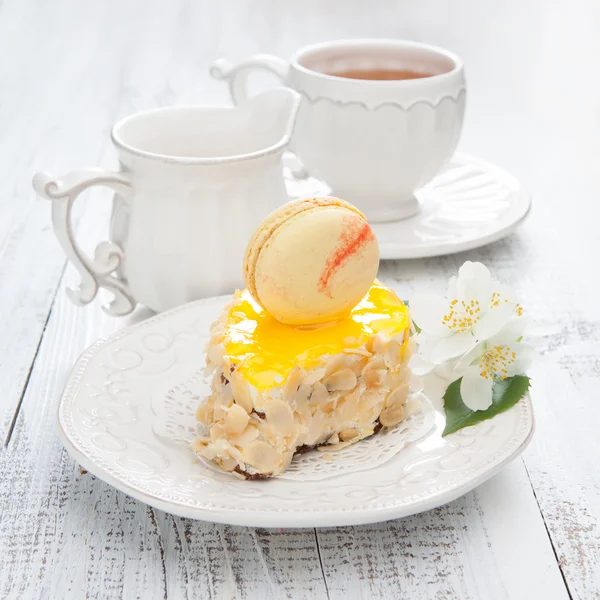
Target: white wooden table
68,70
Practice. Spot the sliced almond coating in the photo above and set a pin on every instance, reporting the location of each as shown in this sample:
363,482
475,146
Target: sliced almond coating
215,353
393,379
320,395
235,453
293,382
241,391
398,396
329,408
264,458
356,362
219,413
226,395
392,416
204,413
371,398
217,431
391,353
335,363
360,350
341,380
318,431
216,337
244,438
347,407
301,403
412,406
200,443
222,400
378,343
302,395
313,377
236,420
334,439
279,416
347,434
229,464
375,362
374,377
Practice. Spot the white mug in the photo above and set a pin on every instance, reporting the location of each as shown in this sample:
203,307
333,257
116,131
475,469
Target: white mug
374,142
193,185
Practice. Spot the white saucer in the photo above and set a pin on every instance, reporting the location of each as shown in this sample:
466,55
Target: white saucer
127,415
469,204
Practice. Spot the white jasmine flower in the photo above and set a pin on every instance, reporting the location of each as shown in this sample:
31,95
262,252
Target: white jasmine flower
495,359
475,309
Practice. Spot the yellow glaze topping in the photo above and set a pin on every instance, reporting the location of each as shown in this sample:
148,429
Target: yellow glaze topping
267,350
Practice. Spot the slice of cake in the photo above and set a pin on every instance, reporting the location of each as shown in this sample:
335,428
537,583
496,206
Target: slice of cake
278,389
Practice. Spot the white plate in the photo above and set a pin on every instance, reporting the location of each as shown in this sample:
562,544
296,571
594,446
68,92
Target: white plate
128,410
469,204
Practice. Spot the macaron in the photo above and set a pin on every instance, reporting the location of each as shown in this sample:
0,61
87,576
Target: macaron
311,261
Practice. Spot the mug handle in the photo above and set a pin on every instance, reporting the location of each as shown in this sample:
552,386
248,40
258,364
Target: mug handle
108,256
237,78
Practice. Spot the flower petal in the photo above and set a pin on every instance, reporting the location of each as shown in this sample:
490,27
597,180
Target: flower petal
492,322
512,330
449,370
506,294
525,354
451,347
474,282
476,391
427,311
472,357
541,329
419,365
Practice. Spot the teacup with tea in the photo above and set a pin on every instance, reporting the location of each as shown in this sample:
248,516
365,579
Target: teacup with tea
378,120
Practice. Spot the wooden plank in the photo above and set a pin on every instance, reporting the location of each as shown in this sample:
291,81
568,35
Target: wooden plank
239,562
562,461
64,534
489,544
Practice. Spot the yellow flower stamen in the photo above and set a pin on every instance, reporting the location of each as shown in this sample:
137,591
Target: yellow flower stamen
495,362
461,317
497,300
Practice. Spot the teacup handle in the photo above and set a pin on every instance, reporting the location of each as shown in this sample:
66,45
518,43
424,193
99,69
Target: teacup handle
237,78
108,256
237,75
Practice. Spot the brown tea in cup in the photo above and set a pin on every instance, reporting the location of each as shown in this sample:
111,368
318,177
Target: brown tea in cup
380,74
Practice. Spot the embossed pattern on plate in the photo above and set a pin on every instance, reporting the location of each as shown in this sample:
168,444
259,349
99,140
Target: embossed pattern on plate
114,420
469,204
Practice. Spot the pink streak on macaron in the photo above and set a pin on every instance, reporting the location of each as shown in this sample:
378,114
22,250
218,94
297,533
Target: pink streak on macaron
311,261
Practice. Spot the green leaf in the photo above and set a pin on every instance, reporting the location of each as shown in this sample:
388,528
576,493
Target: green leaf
505,394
